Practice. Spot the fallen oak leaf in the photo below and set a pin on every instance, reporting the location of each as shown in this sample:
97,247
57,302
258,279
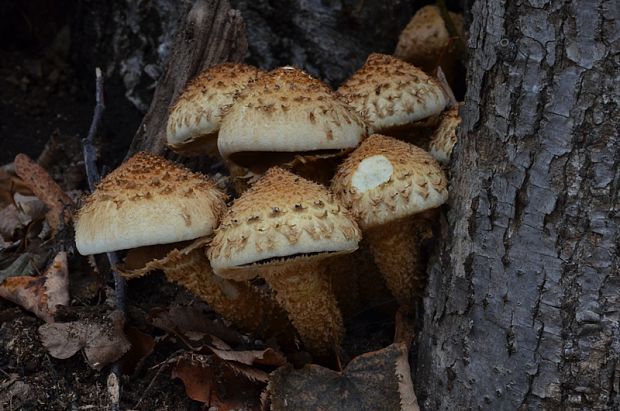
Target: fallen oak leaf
103,341
46,189
42,294
379,380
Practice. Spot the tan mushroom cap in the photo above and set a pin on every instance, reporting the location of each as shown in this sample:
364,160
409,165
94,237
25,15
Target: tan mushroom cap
147,200
390,93
386,179
196,116
425,37
281,215
444,138
287,110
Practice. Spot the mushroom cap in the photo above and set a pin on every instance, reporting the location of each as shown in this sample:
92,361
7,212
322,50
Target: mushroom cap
390,93
386,179
287,110
444,138
281,215
148,200
425,37
197,113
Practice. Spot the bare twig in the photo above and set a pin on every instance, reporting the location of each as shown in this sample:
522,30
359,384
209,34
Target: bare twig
90,154
93,176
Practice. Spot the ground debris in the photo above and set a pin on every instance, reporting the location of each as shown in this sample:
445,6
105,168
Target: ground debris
379,380
103,341
46,189
41,294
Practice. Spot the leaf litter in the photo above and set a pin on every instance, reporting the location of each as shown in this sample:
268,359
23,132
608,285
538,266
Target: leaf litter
217,365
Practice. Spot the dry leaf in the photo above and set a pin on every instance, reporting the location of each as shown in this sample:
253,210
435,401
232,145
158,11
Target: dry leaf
268,356
197,379
43,294
103,341
142,346
209,382
46,189
192,321
379,380
10,184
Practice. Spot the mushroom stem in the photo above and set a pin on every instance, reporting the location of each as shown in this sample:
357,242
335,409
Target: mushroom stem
396,249
303,288
239,302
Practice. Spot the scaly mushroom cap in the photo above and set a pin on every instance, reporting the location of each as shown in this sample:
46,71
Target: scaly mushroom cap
444,138
386,179
425,38
196,116
289,111
390,93
281,215
147,200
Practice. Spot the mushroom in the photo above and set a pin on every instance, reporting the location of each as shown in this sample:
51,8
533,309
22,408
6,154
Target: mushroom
426,42
150,201
392,94
444,138
288,118
385,183
283,229
195,118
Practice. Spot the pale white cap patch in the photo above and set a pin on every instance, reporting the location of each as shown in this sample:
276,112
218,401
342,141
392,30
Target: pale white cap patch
372,172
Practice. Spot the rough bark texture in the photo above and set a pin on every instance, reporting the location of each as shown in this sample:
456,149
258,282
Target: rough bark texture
328,38
523,302
212,33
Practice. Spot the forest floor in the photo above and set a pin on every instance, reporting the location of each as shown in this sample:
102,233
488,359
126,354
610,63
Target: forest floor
43,106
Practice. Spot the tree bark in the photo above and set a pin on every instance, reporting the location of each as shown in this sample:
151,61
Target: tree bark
212,33
523,302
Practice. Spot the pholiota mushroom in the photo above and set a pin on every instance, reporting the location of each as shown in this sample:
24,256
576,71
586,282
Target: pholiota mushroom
385,183
165,212
283,229
195,118
392,95
444,138
426,42
288,118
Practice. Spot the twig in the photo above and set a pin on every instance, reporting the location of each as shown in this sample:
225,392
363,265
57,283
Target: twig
93,176
90,155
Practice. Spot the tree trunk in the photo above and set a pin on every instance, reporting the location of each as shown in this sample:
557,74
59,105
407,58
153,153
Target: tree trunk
523,302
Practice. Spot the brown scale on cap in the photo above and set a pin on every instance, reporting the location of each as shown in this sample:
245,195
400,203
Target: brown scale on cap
444,138
386,182
284,114
281,215
283,228
151,204
147,200
392,94
425,41
196,116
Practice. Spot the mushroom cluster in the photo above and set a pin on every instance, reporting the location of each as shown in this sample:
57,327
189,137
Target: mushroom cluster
311,183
